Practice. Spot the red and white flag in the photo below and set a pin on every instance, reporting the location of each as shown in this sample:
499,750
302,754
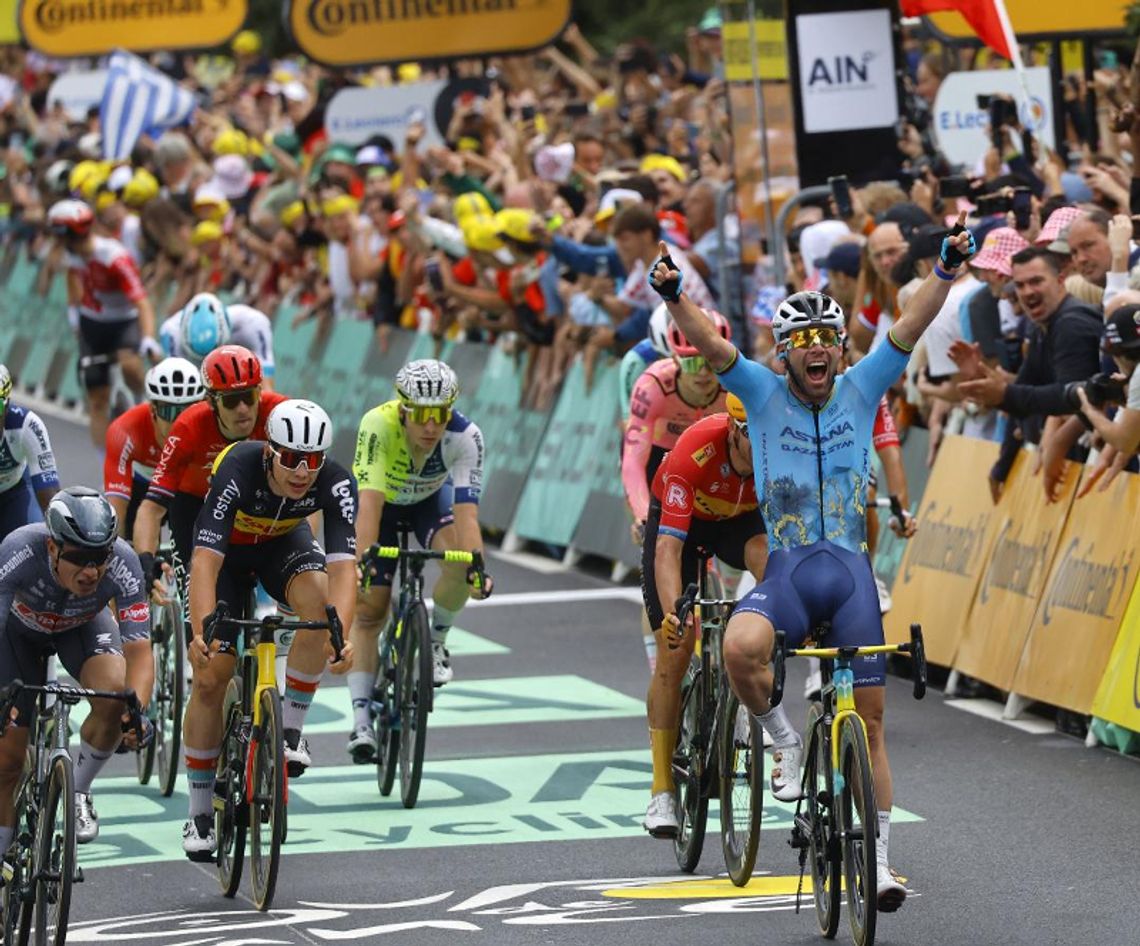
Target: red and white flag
987,18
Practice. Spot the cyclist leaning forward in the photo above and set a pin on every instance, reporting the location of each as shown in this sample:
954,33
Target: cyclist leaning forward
811,442
419,464
253,525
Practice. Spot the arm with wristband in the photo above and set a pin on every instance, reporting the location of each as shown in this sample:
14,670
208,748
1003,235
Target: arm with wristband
666,279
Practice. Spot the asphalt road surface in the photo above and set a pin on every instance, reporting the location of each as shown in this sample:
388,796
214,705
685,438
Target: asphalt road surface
537,776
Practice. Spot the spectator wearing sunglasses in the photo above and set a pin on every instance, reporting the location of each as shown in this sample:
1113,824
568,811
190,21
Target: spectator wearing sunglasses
235,408
28,477
254,524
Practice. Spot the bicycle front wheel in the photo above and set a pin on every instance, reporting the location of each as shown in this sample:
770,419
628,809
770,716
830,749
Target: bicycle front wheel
55,854
17,909
267,812
823,840
169,697
231,813
415,700
688,763
741,789
386,721
858,826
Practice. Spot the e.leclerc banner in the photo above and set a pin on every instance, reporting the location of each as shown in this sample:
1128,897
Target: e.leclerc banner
95,27
1089,587
353,32
1028,533
940,568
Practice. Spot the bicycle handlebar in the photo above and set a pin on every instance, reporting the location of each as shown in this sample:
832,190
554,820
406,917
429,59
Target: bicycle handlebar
684,605
474,559
221,618
66,694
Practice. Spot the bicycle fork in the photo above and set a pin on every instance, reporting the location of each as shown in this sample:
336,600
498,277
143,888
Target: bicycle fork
267,680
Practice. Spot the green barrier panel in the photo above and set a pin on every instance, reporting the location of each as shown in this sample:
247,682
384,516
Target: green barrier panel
559,485
889,554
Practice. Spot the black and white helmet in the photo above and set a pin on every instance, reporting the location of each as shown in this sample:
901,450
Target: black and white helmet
299,425
427,382
807,310
174,381
81,516
658,333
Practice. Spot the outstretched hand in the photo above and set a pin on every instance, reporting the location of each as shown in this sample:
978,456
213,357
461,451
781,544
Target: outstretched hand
665,276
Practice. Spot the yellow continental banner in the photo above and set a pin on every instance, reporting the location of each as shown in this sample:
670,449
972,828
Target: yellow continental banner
1045,17
1089,586
1027,533
9,29
94,27
350,32
942,563
770,51
1118,696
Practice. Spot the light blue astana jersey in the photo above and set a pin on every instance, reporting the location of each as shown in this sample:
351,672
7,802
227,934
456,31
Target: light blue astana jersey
812,464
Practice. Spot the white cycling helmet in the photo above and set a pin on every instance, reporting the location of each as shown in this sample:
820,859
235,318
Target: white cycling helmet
427,382
807,310
658,334
174,381
56,177
205,326
299,425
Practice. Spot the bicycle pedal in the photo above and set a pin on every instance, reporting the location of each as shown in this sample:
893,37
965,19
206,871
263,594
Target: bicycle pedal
202,857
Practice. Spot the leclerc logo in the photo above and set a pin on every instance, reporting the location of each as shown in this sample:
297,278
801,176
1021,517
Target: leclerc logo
841,71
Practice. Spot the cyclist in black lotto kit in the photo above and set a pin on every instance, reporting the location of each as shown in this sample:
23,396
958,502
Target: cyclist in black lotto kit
253,524
56,580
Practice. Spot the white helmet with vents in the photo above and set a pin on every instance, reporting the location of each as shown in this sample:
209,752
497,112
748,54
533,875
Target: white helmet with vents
174,381
427,382
299,425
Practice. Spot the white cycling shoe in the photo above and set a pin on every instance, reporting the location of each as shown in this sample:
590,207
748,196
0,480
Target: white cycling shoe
199,840
786,772
441,672
362,745
86,819
661,816
891,892
297,757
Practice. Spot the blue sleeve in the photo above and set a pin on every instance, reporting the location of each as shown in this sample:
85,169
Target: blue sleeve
548,281
584,259
874,374
751,382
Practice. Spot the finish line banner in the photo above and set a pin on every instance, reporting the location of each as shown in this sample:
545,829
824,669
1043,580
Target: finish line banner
95,27
357,32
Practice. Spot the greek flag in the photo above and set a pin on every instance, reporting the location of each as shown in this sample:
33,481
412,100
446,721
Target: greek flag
138,100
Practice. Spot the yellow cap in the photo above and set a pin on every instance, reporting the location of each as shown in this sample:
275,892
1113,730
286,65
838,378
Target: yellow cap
481,234
605,100
143,187
231,141
735,408
663,162
471,204
246,43
216,209
104,199
515,223
292,213
80,173
94,180
339,205
467,143
408,72
205,231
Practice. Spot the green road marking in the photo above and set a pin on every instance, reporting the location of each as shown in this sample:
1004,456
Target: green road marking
515,799
463,643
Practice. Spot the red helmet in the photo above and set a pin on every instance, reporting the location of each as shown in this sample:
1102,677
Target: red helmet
70,217
682,348
231,368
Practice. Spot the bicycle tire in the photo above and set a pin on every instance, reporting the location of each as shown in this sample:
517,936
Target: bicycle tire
231,813
144,761
741,792
170,670
691,802
824,851
267,811
858,825
386,724
55,854
17,910
416,687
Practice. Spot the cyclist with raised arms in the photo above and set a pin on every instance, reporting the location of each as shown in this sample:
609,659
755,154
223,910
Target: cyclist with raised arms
135,439
206,323
57,582
811,442
28,477
419,464
253,525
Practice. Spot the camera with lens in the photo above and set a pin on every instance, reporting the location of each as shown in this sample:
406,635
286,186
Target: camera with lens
989,204
1100,389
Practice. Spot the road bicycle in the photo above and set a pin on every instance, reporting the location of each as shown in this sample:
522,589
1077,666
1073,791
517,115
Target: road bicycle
836,823
719,743
251,788
120,398
402,696
40,866
168,644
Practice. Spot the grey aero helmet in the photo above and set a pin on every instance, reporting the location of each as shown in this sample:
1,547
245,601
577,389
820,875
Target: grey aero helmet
81,516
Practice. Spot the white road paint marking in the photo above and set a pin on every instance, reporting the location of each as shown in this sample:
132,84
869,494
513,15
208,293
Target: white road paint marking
988,709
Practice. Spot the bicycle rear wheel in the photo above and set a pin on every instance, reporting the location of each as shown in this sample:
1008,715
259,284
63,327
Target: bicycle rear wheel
858,826
386,721
823,849
691,801
267,812
231,813
169,697
55,854
741,789
18,909
415,678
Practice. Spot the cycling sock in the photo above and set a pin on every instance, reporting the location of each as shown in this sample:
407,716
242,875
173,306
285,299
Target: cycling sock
300,688
201,764
441,621
6,835
775,721
661,743
88,762
884,837
360,689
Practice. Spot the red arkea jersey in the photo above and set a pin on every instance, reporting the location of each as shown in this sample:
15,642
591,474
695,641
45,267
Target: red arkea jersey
131,440
696,478
193,445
